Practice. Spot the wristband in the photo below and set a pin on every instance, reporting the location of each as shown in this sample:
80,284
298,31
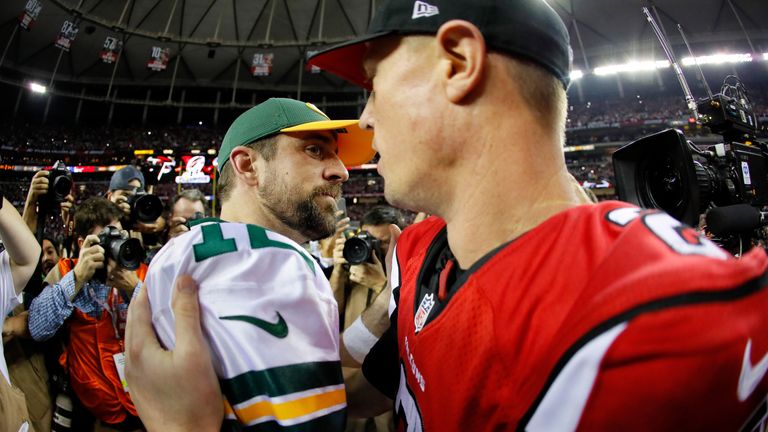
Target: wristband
358,340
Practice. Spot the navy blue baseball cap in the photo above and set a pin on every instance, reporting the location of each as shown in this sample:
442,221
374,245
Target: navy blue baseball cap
528,29
124,175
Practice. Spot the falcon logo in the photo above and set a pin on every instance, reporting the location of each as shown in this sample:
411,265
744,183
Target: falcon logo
277,329
422,10
750,375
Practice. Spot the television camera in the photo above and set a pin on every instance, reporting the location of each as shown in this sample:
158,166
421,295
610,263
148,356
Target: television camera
726,183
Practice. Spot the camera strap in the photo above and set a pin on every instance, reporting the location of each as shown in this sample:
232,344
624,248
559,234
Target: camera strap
117,316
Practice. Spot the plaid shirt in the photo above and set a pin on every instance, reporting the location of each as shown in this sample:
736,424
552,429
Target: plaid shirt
55,304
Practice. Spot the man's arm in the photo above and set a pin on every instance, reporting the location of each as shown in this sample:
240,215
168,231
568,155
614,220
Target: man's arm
173,390
51,308
359,337
23,249
340,275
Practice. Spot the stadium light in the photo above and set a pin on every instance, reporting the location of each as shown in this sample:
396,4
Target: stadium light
717,59
576,74
765,56
633,66
37,88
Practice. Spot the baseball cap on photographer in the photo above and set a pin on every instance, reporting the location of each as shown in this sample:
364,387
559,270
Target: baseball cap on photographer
122,177
528,29
278,115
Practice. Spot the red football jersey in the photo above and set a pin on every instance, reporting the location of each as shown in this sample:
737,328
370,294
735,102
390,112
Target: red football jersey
604,317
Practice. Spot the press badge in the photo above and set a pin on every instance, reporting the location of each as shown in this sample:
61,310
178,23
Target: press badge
120,365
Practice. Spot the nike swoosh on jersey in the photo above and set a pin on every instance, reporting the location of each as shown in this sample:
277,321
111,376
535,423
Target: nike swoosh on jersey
277,329
750,375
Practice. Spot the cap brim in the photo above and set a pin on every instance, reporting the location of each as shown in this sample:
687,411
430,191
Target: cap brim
355,144
346,59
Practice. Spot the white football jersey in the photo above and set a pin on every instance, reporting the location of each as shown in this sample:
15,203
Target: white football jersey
270,318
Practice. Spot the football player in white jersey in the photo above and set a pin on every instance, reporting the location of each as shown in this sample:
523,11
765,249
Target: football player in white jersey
267,312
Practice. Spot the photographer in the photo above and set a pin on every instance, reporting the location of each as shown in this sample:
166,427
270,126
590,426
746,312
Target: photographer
39,197
187,204
356,286
125,188
94,305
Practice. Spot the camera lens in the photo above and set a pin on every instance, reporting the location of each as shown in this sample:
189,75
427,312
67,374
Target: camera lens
61,187
147,208
130,253
665,186
356,250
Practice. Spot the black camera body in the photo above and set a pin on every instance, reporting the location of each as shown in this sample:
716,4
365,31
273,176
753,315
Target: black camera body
666,171
361,247
126,252
145,207
59,183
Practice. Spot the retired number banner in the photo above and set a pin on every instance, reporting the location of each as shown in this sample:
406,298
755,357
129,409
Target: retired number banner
31,11
159,59
111,49
262,64
67,35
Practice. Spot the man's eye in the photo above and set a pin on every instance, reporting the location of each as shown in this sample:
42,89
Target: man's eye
314,150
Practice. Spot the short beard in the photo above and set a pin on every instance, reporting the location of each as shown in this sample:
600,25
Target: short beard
304,216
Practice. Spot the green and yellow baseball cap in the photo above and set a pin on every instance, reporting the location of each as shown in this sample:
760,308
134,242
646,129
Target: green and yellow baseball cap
278,115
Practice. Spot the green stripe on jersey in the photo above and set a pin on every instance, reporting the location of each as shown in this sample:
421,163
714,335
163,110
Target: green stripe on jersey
259,239
214,243
282,380
333,422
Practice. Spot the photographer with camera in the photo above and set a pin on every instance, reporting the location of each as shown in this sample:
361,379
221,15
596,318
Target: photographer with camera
28,360
188,205
92,298
358,277
142,211
48,191
358,270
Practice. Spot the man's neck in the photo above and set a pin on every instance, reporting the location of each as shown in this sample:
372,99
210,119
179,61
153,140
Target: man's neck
486,212
238,211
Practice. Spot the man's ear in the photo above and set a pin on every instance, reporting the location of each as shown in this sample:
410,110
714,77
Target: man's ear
80,241
244,164
462,57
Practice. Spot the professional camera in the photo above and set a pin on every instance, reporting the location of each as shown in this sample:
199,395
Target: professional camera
59,183
361,247
667,171
145,207
126,252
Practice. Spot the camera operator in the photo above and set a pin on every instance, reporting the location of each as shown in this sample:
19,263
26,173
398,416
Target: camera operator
187,204
94,306
17,266
125,186
356,286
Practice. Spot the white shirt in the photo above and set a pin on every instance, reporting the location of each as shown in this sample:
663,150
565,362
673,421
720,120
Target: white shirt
8,300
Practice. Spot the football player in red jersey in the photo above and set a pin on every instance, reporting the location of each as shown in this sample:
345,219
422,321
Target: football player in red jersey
518,306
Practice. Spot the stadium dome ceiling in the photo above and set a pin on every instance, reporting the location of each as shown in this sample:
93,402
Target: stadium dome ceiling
212,42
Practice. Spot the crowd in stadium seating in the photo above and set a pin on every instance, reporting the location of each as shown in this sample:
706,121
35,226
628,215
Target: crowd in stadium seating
590,121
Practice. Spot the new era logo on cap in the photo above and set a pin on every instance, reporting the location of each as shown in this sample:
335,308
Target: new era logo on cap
421,9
